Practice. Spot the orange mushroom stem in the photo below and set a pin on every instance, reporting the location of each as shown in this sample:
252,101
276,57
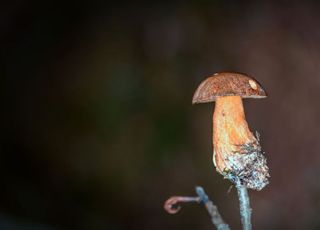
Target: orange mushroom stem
237,152
230,130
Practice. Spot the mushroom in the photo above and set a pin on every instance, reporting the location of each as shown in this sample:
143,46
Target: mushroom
237,152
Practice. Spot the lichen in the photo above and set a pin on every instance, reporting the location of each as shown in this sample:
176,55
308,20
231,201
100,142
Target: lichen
249,166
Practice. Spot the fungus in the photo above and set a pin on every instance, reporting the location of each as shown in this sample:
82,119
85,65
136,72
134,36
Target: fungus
237,152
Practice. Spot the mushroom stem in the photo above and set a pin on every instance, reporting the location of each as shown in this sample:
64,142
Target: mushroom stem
230,129
237,153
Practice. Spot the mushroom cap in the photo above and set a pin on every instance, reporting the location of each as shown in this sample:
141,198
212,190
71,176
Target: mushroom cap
227,84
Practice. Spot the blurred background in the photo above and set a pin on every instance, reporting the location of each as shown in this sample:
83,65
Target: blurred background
98,129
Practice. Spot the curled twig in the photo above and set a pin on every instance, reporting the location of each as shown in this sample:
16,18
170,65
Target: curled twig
171,207
171,204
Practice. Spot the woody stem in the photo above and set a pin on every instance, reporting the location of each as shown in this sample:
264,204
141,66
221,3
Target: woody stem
245,210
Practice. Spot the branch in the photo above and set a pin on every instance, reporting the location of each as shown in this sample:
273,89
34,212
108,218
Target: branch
216,218
245,210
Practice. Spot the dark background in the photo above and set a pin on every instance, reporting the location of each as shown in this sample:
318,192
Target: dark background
97,126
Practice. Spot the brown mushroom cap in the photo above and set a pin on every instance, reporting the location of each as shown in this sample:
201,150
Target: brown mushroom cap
227,84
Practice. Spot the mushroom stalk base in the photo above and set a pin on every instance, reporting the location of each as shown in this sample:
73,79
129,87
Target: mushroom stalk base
237,152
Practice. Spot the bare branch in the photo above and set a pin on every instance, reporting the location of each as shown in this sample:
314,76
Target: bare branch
245,210
216,218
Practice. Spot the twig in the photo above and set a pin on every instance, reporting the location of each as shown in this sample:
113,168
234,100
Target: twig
245,210
216,218
171,205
